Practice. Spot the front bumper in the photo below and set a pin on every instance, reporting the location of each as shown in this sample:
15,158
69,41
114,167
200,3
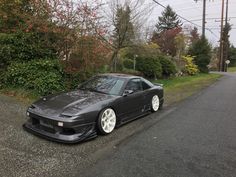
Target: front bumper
70,133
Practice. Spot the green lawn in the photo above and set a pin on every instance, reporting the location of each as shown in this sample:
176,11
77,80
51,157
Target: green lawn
232,69
177,89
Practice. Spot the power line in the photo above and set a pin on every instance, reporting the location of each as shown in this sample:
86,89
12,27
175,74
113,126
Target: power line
213,18
186,19
177,14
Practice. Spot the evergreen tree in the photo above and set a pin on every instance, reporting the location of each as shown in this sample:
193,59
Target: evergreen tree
201,50
168,20
226,43
194,35
232,55
167,28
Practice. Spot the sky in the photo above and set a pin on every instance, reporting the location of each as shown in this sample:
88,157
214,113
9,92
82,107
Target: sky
192,11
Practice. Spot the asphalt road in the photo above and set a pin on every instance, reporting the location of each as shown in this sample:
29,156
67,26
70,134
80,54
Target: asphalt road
195,138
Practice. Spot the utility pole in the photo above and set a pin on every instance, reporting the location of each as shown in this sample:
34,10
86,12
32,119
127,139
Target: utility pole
227,11
221,38
226,45
204,18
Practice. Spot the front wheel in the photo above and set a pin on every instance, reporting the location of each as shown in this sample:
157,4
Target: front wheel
106,121
155,103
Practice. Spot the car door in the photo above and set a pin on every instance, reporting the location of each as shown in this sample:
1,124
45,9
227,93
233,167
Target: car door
132,103
147,94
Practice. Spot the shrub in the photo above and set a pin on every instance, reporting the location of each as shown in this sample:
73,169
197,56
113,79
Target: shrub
150,67
1,78
132,72
72,80
168,66
190,68
24,47
41,76
128,63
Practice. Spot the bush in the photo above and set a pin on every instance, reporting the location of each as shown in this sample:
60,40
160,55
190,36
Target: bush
132,72
24,47
150,67
72,80
128,63
168,66
1,78
190,68
42,76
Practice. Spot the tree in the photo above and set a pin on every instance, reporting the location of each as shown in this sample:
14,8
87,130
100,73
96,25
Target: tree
166,40
14,14
141,50
126,32
194,35
123,35
61,25
168,20
232,55
167,28
201,50
180,45
226,43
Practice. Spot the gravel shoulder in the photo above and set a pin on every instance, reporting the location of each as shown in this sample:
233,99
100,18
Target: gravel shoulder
23,154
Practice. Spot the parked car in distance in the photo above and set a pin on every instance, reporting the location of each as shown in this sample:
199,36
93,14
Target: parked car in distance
99,105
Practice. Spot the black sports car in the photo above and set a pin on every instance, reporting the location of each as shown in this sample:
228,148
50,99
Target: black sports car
99,105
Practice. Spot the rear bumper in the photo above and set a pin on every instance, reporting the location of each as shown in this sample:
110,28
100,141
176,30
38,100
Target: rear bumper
74,134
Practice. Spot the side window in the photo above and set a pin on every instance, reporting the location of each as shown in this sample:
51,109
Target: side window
145,85
134,85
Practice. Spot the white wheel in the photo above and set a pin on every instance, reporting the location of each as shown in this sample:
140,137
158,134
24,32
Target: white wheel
155,103
107,121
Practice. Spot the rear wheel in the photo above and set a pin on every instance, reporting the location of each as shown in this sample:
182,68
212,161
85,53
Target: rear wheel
106,121
155,103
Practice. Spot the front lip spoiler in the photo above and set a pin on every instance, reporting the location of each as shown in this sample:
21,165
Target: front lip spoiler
67,139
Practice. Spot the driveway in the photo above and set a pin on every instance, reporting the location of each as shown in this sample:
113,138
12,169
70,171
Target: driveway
196,138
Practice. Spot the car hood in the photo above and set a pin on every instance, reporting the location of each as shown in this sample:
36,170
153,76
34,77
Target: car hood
68,103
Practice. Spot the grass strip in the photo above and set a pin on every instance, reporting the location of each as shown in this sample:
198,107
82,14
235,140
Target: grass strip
232,69
179,88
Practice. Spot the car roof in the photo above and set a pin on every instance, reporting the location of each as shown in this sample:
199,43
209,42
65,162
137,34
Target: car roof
121,75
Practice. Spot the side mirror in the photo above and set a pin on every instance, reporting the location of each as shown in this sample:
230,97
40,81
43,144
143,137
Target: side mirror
128,92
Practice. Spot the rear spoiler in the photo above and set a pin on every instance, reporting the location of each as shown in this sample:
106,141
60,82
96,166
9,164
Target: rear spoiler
157,84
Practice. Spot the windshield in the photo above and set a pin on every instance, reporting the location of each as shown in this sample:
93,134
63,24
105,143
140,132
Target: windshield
104,84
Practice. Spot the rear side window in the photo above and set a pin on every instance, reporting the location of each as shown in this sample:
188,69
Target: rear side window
134,85
145,85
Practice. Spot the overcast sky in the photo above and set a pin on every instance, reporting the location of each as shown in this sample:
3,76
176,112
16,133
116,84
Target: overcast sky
193,12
